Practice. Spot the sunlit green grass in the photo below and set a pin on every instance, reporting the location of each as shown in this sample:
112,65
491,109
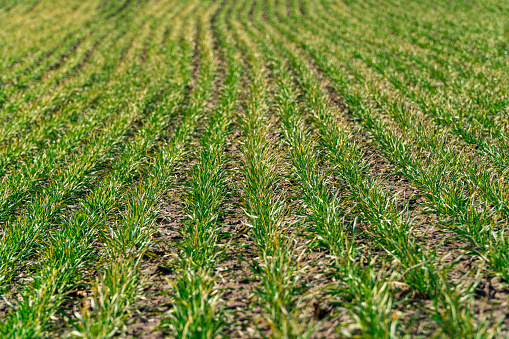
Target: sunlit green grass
350,131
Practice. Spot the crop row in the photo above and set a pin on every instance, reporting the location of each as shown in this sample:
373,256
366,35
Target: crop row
362,145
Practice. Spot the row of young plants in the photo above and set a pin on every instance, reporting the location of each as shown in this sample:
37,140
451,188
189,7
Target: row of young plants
40,126
324,210
288,114
470,204
265,204
279,267
22,182
42,33
58,88
72,242
369,300
127,239
368,117
399,234
97,166
49,289
131,237
467,105
99,31
368,56
196,311
66,182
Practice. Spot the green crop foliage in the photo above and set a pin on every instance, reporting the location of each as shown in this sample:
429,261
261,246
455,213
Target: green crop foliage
254,169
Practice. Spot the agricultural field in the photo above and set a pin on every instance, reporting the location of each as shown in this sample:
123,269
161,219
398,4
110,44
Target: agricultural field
254,168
